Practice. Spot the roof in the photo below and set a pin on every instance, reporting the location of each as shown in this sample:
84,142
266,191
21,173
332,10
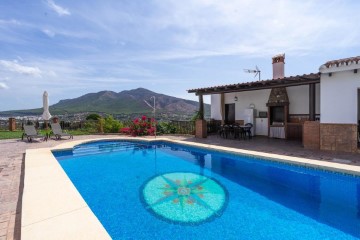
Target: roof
258,85
343,61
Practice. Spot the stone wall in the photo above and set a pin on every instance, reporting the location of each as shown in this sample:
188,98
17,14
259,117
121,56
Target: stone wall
311,135
338,137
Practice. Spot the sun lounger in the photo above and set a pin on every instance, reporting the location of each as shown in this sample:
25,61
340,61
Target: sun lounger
58,132
30,133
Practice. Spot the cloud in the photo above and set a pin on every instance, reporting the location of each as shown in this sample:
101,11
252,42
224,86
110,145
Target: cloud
254,28
3,85
10,22
14,66
48,32
58,9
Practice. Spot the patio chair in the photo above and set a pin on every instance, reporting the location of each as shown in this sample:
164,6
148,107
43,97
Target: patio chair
239,132
248,130
30,133
58,132
225,131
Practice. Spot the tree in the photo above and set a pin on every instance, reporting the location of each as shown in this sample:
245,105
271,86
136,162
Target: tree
93,116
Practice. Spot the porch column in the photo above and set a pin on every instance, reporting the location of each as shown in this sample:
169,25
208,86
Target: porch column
201,107
312,110
222,108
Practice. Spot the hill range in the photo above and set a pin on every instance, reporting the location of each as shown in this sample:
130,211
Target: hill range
128,102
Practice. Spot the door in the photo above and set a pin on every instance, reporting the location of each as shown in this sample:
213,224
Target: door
230,113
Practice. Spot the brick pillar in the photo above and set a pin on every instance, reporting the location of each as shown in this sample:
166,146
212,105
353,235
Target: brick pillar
200,129
55,119
12,124
311,135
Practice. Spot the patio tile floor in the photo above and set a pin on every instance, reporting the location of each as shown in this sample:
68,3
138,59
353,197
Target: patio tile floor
12,167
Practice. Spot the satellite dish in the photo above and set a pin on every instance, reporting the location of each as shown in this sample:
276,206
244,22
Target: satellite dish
256,71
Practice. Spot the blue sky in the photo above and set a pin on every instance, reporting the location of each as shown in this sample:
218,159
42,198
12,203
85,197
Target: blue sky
70,48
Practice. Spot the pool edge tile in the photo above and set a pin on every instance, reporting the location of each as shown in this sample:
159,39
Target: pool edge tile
43,205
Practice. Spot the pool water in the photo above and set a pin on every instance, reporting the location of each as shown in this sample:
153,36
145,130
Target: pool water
163,190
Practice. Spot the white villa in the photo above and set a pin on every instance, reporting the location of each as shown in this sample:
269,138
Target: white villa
320,109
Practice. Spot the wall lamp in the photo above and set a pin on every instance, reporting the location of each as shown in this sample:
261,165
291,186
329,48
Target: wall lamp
235,98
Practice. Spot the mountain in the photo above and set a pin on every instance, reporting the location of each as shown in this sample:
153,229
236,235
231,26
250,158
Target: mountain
126,102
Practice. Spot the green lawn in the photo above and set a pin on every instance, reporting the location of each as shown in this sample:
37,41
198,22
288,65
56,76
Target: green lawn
18,134
10,135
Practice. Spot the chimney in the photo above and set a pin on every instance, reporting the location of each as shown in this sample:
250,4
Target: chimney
278,62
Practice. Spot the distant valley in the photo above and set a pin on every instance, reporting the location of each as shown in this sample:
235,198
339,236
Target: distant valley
123,105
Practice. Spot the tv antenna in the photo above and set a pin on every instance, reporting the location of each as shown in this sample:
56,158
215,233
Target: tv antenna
256,71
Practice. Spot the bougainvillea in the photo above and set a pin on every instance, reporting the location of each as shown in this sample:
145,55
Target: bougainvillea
142,127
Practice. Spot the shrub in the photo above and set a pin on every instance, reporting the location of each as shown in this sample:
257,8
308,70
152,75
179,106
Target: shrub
142,127
125,130
166,128
111,125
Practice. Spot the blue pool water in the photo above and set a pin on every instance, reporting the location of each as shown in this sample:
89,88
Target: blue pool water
163,190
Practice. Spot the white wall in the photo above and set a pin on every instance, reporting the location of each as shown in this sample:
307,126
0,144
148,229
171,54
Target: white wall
298,96
299,99
338,94
215,107
259,98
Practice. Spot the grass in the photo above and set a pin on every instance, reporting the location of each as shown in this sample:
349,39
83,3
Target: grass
17,134
10,135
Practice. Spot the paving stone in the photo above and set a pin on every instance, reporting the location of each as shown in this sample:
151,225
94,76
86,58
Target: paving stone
3,232
4,225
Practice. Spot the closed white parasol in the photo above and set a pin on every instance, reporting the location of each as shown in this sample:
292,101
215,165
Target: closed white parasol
46,114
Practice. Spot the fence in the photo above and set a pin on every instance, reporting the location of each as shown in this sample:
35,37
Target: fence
184,127
88,125
92,126
4,125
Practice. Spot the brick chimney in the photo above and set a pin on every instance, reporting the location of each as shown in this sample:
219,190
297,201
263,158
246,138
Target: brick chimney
278,62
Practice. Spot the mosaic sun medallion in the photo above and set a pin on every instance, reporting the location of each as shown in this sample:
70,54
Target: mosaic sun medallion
184,198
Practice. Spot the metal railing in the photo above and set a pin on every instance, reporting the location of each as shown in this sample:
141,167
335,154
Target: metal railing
184,127
92,126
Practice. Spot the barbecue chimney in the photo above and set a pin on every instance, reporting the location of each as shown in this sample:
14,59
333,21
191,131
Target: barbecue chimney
278,62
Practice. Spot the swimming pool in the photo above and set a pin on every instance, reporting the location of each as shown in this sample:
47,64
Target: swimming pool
163,190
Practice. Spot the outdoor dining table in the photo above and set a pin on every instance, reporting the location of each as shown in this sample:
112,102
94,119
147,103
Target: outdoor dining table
235,130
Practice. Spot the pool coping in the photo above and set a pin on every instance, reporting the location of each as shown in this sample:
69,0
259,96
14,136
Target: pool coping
52,208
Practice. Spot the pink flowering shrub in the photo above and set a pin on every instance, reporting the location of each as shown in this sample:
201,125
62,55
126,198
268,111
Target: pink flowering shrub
142,127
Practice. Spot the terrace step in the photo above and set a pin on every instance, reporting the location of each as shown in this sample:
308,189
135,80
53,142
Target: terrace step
106,148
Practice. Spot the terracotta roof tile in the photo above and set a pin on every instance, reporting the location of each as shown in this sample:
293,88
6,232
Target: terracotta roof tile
342,61
297,78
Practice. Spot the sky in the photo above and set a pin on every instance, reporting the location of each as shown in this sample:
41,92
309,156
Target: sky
70,48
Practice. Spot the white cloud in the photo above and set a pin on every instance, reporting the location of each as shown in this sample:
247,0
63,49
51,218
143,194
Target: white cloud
48,32
58,9
11,22
3,85
211,27
14,66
